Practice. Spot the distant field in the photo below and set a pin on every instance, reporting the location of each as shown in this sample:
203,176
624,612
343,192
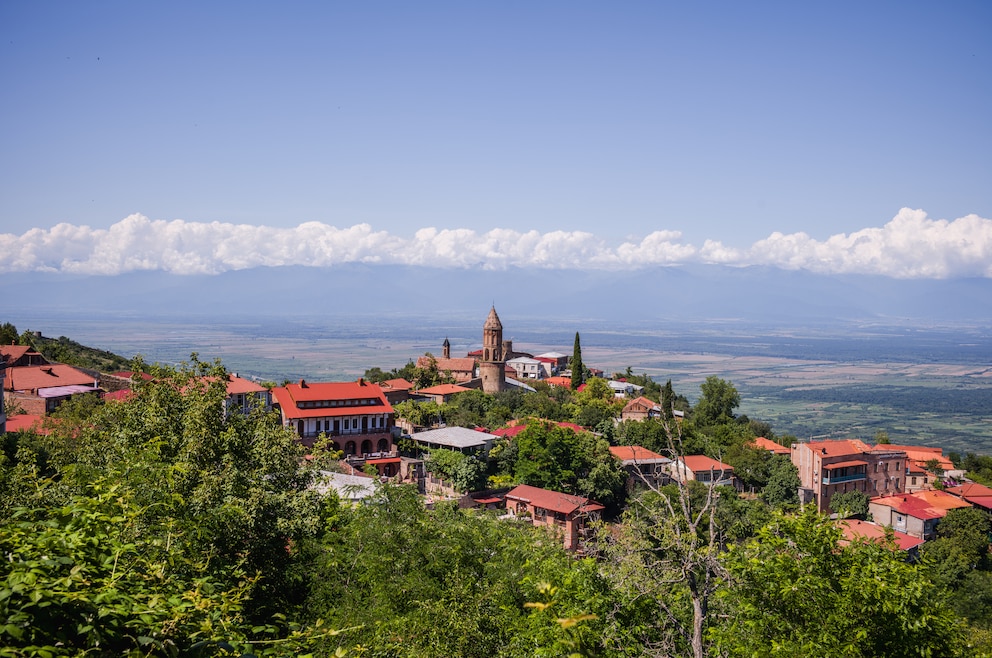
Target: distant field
921,386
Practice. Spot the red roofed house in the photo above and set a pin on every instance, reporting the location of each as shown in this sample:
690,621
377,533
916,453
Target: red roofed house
41,389
356,415
642,465
914,514
243,395
917,460
641,408
396,390
441,393
516,426
976,494
829,467
564,512
22,355
559,381
857,530
702,469
32,422
771,446
462,369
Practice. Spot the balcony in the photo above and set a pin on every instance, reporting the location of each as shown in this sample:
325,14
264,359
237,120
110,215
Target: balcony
837,479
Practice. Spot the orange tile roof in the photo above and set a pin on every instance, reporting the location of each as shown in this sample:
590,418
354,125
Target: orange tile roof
941,499
910,505
290,396
919,454
641,403
558,380
399,384
443,389
701,463
855,530
635,453
771,446
32,378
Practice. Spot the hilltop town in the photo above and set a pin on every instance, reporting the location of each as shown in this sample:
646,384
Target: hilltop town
542,441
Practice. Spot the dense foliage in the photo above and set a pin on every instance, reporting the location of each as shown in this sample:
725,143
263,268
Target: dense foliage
158,526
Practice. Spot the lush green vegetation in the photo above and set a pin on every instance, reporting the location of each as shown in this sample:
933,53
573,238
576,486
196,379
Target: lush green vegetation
159,527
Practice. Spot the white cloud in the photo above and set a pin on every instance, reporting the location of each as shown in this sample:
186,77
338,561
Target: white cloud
911,245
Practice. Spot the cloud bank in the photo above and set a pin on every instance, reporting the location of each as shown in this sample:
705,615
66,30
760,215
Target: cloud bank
911,245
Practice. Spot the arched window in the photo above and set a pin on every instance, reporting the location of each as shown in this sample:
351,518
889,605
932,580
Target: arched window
366,447
349,448
383,445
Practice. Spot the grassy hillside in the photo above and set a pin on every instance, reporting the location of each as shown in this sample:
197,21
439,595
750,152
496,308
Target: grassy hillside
66,350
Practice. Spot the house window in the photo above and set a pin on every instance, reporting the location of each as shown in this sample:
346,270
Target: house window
914,481
347,423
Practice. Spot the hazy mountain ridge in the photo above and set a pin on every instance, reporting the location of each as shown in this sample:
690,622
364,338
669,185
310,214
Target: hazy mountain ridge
754,294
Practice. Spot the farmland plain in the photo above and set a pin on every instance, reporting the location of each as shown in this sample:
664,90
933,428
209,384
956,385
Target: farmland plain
930,385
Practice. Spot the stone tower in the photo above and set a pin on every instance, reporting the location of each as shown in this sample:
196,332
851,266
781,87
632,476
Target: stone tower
492,368
446,349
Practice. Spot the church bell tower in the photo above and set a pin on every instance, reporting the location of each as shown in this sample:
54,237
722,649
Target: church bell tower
492,369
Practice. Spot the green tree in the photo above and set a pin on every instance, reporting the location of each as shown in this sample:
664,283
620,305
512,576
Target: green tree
851,503
782,489
717,403
8,334
577,366
794,590
961,545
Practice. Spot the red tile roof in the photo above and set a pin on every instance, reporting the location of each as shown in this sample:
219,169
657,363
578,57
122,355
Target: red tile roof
25,422
855,530
237,384
910,506
118,396
552,500
976,494
842,447
14,352
516,427
32,378
559,381
365,398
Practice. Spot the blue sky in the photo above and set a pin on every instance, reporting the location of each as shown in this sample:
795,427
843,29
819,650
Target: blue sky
655,126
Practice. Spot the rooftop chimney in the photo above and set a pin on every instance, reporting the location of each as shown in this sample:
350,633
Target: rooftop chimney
303,383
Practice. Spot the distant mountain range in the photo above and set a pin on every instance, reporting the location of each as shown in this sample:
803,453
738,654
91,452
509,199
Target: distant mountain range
758,295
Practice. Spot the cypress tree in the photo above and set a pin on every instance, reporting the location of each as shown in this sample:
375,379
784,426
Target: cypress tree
577,366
